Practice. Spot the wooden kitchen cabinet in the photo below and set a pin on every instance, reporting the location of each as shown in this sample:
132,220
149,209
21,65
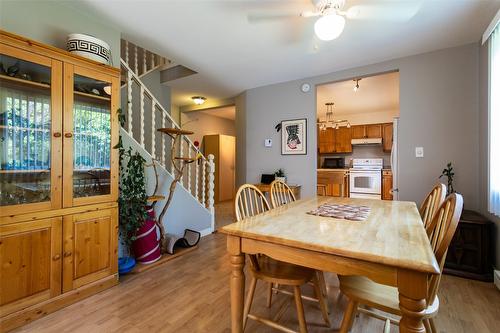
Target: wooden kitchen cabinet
326,142
358,132
373,131
366,131
387,137
386,185
343,140
332,180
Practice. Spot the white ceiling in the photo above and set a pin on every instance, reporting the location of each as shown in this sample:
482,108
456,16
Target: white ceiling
378,93
228,112
231,54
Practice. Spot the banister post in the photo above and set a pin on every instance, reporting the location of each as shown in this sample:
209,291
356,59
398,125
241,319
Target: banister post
211,187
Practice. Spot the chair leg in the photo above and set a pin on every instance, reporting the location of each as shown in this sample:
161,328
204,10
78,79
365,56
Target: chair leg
321,299
269,294
433,326
248,302
324,291
300,309
427,326
349,315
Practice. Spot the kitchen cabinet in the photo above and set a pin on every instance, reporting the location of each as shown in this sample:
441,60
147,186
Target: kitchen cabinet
387,137
343,140
373,131
366,131
326,141
386,185
335,181
51,252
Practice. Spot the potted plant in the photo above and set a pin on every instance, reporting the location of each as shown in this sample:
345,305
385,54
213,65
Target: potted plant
280,175
449,174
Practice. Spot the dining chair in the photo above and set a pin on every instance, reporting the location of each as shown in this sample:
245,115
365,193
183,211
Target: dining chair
432,202
321,189
250,201
363,291
281,193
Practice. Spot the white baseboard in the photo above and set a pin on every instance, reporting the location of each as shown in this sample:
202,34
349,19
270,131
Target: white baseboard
496,278
206,232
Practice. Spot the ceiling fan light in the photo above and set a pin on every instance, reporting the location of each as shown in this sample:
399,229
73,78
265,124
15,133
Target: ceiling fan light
329,27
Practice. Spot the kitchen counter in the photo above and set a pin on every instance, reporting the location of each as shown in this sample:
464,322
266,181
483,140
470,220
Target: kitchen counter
333,170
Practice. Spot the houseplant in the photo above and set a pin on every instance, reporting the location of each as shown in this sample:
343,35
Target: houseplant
132,198
280,175
449,174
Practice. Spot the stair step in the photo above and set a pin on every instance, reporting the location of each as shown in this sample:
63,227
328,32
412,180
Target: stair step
186,159
174,131
155,198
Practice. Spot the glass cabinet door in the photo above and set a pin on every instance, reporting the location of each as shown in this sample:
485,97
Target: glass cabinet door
30,131
88,124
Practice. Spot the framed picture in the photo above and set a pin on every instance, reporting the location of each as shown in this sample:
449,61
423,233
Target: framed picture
294,137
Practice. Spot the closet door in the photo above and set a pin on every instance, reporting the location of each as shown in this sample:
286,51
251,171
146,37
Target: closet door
30,132
90,133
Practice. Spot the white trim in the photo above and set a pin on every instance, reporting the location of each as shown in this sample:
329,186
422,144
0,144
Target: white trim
206,232
491,27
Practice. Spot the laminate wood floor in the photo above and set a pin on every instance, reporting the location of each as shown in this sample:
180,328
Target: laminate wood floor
191,294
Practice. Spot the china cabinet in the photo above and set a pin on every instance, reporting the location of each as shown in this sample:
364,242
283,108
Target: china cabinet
58,178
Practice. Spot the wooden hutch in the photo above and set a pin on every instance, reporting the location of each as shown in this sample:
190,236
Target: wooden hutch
58,179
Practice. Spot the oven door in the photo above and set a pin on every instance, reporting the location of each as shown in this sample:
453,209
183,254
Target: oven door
362,181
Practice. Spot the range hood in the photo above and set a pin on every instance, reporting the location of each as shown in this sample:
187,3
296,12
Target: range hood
370,141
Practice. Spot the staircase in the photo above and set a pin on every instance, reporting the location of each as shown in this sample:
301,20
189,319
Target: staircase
148,128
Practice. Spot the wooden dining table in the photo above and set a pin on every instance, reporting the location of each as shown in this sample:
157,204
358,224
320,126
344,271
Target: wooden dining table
389,246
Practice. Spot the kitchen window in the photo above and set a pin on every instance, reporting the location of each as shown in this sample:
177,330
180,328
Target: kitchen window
494,122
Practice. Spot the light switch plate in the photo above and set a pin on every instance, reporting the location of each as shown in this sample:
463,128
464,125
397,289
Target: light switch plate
419,152
268,142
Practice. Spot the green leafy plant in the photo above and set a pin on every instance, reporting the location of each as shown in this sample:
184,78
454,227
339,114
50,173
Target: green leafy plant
280,173
449,174
132,199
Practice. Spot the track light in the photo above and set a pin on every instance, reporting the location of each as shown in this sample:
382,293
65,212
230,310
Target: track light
356,87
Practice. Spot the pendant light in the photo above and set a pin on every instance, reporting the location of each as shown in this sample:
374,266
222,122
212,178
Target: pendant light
356,87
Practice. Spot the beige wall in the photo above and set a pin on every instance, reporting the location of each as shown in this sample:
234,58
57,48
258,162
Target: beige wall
438,110
203,124
50,22
369,117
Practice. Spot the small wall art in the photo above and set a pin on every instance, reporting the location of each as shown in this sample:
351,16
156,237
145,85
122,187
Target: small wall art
294,137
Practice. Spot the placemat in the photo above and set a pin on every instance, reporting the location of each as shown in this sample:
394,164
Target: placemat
347,212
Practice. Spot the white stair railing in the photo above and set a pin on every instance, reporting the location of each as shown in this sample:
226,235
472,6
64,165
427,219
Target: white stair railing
141,60
147,136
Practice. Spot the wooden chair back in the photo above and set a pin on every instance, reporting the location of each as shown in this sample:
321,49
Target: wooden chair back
440,232
249,201
432,202
281,194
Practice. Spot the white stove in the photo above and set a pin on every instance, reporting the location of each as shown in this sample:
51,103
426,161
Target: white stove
365,178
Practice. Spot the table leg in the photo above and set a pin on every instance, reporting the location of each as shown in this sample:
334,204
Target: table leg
237,283
412,288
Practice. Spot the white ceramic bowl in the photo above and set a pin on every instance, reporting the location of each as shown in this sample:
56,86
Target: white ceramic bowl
89,47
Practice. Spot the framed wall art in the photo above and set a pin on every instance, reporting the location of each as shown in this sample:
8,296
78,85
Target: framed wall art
294,137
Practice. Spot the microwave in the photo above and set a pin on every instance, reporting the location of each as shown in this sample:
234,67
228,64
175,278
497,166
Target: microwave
333,163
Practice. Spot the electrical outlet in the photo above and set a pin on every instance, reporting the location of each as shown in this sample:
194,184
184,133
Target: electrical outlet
419,152
268,143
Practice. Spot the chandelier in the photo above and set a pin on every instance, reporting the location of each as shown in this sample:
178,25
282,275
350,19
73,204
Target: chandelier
330,121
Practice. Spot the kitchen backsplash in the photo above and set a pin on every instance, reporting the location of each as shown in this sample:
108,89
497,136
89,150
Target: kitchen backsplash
362,152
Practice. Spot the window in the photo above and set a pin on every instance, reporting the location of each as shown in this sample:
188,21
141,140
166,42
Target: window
494,123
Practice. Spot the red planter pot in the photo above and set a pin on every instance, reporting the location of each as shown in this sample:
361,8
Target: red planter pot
146,246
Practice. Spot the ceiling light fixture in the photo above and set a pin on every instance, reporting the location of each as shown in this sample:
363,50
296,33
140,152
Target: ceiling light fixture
198,100
330,121
329,27
356,87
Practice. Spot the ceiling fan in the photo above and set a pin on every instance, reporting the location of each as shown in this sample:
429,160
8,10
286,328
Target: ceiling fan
332,15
